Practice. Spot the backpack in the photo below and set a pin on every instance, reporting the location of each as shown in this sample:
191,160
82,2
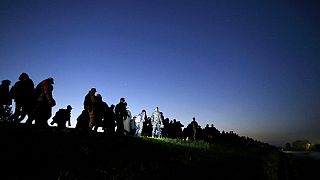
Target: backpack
59,115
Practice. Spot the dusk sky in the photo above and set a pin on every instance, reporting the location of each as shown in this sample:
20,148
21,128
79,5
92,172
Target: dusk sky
252,67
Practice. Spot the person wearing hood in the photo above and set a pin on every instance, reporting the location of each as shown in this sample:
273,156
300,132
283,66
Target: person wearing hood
23,94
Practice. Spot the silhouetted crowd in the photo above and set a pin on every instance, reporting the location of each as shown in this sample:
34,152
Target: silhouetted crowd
36,103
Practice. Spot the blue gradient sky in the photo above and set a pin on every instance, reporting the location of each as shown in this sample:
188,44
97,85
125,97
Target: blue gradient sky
251,67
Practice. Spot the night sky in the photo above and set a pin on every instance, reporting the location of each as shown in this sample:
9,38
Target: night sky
252,67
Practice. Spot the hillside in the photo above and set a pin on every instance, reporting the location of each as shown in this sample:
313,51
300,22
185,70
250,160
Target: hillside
33,153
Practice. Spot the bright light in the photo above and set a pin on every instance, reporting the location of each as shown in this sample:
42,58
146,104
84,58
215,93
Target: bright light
308,146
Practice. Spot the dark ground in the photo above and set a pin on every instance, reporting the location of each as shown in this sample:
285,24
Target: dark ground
295,166
37,153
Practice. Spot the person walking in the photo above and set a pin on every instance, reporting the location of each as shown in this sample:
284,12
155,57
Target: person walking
194,125
156,120
121,114
44,103
62,117
90,106
23,94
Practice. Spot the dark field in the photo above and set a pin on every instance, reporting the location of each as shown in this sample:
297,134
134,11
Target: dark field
33,153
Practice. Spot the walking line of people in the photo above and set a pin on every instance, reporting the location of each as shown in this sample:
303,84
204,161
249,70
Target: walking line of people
36,103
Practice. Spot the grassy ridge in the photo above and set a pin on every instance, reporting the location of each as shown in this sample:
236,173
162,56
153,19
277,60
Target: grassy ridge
32,153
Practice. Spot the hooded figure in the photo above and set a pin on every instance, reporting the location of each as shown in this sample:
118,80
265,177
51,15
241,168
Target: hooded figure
23,94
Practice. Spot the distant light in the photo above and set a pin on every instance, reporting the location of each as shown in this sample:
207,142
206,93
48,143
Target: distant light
308,146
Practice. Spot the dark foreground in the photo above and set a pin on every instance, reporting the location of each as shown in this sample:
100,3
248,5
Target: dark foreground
34,153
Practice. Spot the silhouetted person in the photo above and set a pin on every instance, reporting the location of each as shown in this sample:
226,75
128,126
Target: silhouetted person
44,103
175,129
61,117
214,134
100,108
207,133
90,105
147,128
5,100
188,132
4,93
165,129
121,115
83,121
194,125
109,120
23,94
